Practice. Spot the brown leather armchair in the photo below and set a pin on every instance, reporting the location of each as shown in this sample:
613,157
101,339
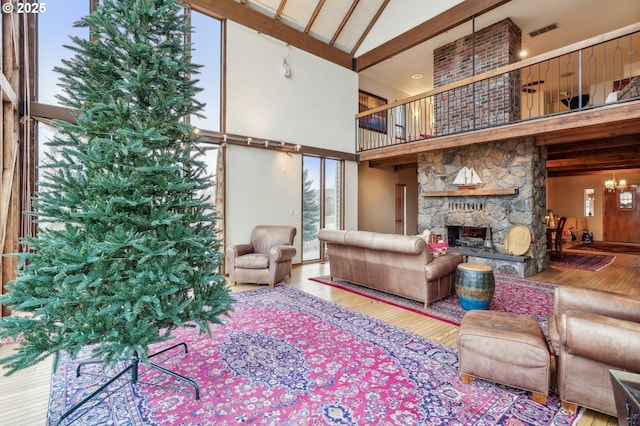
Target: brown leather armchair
266,259
591,332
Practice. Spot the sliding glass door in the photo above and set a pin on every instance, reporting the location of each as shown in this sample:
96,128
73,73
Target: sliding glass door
322,202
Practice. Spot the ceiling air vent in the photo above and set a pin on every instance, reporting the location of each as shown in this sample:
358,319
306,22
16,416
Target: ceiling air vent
543,30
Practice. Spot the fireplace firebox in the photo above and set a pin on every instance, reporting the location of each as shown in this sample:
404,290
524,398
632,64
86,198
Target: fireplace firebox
473,237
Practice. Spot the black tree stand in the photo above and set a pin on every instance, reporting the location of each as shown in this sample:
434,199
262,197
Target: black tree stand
133,367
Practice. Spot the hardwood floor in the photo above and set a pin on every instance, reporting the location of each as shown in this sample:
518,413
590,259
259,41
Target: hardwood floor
24,395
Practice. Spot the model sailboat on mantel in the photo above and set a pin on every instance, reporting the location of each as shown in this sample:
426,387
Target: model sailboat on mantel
467,178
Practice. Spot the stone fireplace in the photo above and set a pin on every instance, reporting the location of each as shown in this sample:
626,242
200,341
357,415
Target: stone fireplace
475,220
513,192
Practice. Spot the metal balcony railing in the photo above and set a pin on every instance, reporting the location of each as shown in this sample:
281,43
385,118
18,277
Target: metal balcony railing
589,74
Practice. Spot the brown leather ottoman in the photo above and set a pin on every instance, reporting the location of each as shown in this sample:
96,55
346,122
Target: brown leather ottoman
505,348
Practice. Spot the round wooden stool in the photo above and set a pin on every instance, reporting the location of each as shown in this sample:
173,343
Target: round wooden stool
475,286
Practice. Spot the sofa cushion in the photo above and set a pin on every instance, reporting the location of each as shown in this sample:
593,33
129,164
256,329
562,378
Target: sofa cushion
253,261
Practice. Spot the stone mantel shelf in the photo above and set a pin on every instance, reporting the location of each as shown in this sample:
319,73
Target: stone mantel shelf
471,192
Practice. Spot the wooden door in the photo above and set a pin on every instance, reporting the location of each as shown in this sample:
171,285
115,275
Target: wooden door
622,215
401,208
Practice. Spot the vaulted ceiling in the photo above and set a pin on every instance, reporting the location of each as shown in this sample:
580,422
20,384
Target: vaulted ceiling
389,40
336,29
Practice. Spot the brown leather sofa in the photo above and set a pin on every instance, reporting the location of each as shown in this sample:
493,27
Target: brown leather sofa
592,332
396,264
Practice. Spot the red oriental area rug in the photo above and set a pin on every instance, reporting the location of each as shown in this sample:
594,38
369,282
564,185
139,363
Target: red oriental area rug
608,247
587,262
512,294
286,357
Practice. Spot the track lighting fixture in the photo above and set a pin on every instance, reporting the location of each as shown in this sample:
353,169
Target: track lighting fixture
224,139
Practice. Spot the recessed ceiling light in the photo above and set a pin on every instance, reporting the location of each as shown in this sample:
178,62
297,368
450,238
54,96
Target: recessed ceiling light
417,76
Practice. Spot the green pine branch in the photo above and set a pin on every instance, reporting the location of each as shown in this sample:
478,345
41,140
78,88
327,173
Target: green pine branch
127,248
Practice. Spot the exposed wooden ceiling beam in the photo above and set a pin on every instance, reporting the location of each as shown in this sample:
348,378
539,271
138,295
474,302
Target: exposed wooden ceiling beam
630,156
601,130
314,15
346,18
435,26
595,172
592,163
558,150
395,163
280,10
368,29
257,21
604,168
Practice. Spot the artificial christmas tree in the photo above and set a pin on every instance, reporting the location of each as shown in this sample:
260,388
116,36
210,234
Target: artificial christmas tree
126,250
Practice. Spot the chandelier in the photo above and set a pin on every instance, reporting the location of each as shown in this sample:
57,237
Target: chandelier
612,185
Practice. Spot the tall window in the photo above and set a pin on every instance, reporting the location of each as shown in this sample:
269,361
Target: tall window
55,29
206,43
210,158
332,194
589,197
322,202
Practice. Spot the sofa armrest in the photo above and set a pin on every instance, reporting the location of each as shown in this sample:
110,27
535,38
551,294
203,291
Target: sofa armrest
442,265
282,253
239,250
590,301
610,341
600,302
334,236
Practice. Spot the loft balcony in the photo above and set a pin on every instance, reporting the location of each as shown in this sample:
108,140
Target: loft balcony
584,95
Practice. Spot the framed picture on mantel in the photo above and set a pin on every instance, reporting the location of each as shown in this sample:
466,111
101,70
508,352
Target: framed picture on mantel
376,122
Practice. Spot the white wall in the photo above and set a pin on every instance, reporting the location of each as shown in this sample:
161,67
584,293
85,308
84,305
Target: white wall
314,107
261,189
377,196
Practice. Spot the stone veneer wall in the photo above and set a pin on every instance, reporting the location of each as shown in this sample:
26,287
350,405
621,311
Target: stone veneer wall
501,165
